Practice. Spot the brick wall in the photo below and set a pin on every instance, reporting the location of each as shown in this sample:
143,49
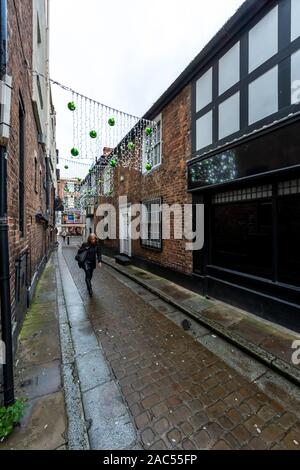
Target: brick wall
37,236
168,181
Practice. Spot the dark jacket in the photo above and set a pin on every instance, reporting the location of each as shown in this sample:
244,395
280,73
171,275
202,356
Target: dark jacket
93,254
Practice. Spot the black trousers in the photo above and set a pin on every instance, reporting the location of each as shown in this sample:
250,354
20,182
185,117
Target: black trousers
89,271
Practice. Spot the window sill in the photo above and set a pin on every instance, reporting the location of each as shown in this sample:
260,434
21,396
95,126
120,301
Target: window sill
151,248
154,168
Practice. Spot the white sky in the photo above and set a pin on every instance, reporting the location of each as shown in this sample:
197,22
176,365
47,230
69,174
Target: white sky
125,53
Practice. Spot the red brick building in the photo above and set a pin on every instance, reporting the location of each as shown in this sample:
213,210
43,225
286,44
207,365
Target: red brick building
28,155
229,139
166,183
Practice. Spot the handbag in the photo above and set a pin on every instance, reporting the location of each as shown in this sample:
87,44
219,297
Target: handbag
81,257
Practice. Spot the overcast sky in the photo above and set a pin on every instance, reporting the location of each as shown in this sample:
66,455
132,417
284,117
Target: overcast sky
125,53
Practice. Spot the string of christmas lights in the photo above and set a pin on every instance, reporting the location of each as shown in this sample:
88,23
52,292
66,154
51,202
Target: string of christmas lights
103,132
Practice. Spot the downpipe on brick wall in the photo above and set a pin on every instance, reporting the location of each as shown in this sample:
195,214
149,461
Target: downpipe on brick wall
5,299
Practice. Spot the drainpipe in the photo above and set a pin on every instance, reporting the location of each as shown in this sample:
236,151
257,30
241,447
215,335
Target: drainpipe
6,324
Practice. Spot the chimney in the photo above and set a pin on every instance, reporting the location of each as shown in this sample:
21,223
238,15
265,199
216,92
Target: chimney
107,151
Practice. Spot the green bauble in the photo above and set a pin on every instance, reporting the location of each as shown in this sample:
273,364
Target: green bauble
74,152
113,163
71,106
148,166
66,167
130,146
112,121
148,131
93,134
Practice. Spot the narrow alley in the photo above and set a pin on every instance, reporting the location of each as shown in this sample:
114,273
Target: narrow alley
149,230
178,394
145,383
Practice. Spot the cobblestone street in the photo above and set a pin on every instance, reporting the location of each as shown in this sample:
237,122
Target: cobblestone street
179,394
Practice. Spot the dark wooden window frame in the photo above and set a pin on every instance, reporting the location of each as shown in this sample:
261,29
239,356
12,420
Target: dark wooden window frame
282,59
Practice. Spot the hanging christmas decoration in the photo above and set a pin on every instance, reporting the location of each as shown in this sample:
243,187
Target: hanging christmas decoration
113,162
74,152
130,146
104,137
93,134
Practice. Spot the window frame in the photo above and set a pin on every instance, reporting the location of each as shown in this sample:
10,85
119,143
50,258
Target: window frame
276,189
22,172
286,47
107,174
159,143
149,243
36,174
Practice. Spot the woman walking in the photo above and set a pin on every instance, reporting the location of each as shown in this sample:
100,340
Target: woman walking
89,254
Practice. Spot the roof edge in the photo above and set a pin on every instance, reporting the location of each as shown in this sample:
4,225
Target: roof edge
244,14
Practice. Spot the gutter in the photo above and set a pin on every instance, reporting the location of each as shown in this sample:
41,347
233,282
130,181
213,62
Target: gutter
6,324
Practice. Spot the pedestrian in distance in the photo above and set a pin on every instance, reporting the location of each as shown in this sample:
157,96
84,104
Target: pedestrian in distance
88,256
64,234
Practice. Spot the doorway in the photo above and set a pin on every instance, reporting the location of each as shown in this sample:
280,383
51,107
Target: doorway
125,236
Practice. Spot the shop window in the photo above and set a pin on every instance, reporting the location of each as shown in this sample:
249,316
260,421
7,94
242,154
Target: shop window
229,69
263,40
242,237
204,131
204,90
295,26
245,194
263,96
289,236
287,188
229,116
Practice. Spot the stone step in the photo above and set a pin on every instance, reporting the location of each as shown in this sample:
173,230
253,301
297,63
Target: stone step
122,259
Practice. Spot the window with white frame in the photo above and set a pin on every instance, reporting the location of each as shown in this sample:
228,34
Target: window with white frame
151,224
152,146
107,181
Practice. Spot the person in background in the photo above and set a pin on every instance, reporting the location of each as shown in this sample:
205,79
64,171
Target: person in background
93,257
64,234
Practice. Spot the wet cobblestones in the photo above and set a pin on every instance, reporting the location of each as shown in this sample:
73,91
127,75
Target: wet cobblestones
180,394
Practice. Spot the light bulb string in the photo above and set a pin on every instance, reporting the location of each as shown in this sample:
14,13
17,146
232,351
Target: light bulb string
73,92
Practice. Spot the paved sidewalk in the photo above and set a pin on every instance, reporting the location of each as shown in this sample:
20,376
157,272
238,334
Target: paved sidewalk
269,343
180,394
106,417
38,374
